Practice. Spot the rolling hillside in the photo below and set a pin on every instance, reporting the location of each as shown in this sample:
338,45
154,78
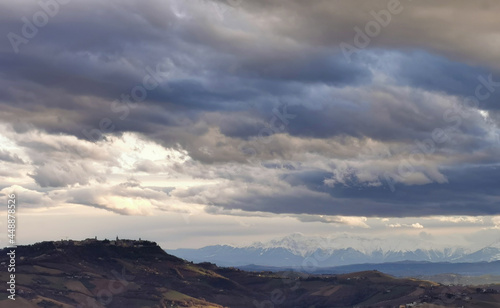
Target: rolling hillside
132,274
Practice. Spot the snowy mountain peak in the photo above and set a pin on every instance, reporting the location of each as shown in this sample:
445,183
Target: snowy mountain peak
343,249
302,245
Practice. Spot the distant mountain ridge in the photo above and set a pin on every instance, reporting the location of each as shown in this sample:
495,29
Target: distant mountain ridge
297,250
418,269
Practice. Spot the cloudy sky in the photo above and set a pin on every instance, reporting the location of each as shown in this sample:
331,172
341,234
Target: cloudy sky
196,122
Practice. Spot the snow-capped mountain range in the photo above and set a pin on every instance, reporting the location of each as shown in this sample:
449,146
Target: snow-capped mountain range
304,246
299,250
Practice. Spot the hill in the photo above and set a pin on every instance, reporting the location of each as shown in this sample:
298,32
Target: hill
128,273
401,269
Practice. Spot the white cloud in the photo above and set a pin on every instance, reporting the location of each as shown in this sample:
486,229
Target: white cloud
496,221
460,219
27,198
398,225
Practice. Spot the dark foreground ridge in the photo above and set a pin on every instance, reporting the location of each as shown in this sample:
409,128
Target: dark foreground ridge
128,273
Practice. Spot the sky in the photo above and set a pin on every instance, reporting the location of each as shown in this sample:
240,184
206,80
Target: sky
200,122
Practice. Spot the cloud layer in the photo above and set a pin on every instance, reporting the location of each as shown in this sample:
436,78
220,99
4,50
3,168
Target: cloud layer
251,108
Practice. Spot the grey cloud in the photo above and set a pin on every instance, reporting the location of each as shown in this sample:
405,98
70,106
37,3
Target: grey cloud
470,191
10,157
30,198
421,25
148,166
64,174
107,197
222,83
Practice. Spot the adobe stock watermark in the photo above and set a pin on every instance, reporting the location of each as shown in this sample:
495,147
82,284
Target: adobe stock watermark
11,234
363,37
48,9
454,117
127,101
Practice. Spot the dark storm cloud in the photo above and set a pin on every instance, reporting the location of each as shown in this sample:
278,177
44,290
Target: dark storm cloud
89,55
470,191
224,84
309,66
457,29
434,73
395,117
71,74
